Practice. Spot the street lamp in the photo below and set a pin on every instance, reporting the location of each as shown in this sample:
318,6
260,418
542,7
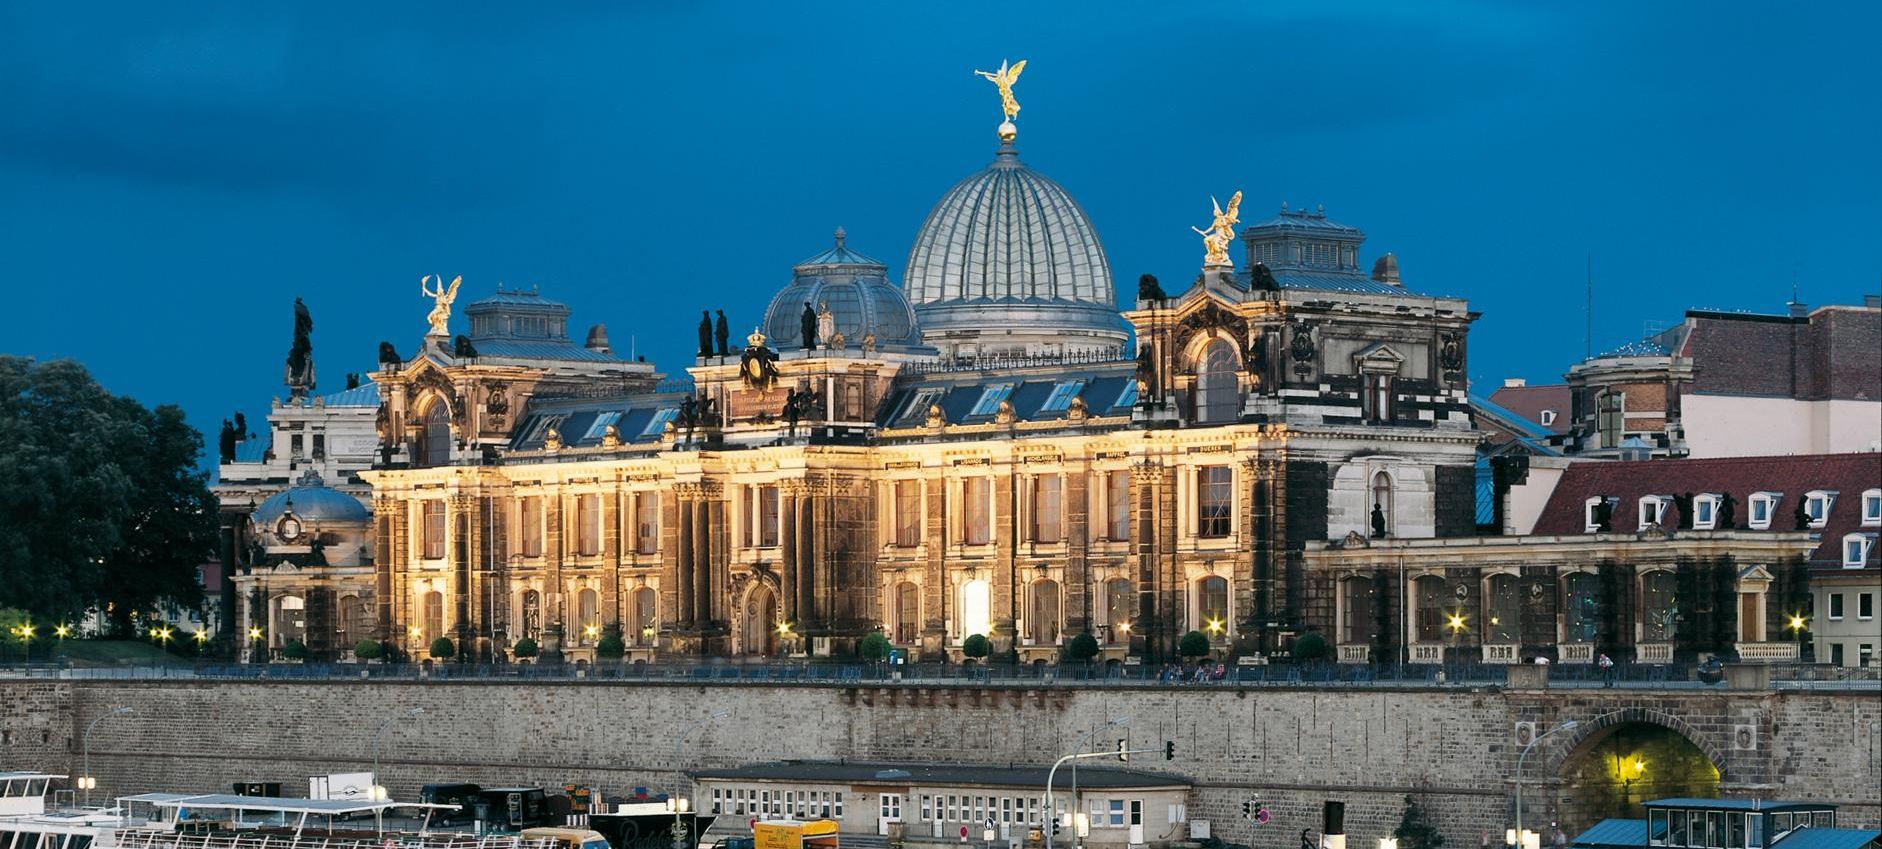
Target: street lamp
378,789
85,780
1118,722
674,800
1568,725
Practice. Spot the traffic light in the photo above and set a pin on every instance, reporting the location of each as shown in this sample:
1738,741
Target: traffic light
1123,750
1055,826
1246,809
1169,750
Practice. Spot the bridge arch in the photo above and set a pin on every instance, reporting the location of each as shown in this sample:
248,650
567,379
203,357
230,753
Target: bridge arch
1615,760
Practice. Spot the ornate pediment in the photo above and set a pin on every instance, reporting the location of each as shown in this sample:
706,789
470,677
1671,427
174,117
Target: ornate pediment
1378,358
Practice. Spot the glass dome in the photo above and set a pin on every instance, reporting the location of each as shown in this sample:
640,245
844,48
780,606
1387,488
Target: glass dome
860,297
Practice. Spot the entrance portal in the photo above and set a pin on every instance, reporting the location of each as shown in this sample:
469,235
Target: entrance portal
758,629
1611,773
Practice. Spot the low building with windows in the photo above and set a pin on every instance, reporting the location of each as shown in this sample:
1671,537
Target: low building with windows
941,802
1729,824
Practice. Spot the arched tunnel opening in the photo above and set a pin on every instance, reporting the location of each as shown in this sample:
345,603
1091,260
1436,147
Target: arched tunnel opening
1609,774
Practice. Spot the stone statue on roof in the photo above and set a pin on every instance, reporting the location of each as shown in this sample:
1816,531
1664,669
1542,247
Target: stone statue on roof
808,324
722,334
705,333
441,299
826,326
300,366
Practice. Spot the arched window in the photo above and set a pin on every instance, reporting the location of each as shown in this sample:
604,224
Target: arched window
976,609
588,616
1502,611
532,616
907,612
1428,597
1218,396
434,615
1359,612
1578,608
290,621
1120,607
434,444
346,619
646,616
1380,521
1659,606
1042,616
1212,605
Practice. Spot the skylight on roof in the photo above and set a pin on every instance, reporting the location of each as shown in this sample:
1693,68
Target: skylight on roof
990,399
917,409
1061,397
602,420
658,424
1127,398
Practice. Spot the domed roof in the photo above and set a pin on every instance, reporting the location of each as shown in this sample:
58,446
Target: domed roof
1009,237
311,500
859,294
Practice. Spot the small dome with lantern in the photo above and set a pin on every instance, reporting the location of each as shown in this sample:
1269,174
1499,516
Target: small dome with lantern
857,290
299,514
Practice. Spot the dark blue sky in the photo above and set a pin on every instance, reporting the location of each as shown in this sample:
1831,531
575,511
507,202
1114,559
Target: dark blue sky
171,177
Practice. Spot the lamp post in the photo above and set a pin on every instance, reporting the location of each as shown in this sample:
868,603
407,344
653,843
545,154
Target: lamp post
85,778
378,740
1569,725
676,801
1119,722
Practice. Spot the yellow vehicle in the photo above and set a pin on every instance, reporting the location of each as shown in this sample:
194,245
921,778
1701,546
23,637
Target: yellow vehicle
794,834
568,838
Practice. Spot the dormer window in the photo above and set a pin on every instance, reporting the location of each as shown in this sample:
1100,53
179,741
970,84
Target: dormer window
1817,504
1705,510
1061,397
1597,514
1762,506
990,399
1652,509
1856,549
1872,508
1548,417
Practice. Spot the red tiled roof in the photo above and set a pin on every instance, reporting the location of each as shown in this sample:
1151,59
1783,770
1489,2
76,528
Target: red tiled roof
1530,401
1849,475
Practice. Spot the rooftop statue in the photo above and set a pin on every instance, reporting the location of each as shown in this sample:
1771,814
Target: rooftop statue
1004,79
300,366
1221,232
441,297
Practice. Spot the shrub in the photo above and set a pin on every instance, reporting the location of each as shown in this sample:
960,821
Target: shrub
875,647
1193,644
977,646
1082,647
442,648
524,647
294,650
611,647
368,650
1310,646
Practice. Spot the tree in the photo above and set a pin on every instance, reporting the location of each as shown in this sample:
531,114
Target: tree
368,650
977,646
1194,644
294,650
875,647
524,647
611,646
1310,647
1415,830
105,506
1082,647
443,649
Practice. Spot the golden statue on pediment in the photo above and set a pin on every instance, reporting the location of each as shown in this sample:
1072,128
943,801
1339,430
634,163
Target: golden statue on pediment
441,299
1221,232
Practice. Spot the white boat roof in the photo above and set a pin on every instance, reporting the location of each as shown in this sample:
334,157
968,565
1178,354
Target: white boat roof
318,807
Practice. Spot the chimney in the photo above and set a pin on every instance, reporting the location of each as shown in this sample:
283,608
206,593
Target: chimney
1514,382
1799,310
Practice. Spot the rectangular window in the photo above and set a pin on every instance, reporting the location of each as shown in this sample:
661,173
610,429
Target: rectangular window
1061,397
1046,513
1214,495
647,523
600,425
1704,515
1762,505
990,399
766,508
1137,812
1117,813
658,424
976,515
1836,606
839,804
531,518
1865,605
588,525
1118,504
434,530
1865,653
1856,550
1128,397
908,513
1872,508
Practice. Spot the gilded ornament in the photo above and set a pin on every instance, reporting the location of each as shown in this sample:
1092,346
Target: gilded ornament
441,297
1221,232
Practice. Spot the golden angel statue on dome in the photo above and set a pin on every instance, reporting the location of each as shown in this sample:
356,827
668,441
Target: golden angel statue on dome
1221,232
440,316
1004,79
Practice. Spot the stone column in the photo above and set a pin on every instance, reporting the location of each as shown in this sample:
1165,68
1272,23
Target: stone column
1155,521
807,569
788,493
683,566
463,523
702,561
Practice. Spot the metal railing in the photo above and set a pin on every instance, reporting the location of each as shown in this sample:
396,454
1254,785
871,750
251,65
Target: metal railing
165,839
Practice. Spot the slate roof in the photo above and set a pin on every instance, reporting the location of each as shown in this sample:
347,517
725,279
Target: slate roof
1508,421
1849,475
364,395
1026,775
1108,390
583,422
254,450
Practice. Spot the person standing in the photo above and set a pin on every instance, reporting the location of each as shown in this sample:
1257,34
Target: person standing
1607,669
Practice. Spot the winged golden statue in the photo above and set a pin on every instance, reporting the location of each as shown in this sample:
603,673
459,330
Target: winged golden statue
1004,79
440,316
1221,232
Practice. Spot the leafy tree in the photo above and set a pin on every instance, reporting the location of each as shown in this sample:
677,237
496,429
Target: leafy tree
368,650
1415,830
105,506
294,650
875,647
443,649
1082,647
1310,646
977,646
524,647
1193,644
611,646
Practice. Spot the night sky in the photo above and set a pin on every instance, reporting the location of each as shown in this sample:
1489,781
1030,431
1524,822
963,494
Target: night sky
173,176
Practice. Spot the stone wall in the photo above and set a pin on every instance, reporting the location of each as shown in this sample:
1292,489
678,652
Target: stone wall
1455,748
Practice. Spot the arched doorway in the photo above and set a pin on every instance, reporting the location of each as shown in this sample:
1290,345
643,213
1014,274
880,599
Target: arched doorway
1610,772
758,631
434,439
